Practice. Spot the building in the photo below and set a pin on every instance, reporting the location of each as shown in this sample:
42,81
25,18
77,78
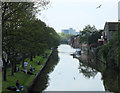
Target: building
109,29
119,11
65,31
102,39
69,31
74,41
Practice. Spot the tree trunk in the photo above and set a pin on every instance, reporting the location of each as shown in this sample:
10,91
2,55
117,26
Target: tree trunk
15,62
12,69
4,64
23,59
5,78
34,56
23,63
15,67
31,58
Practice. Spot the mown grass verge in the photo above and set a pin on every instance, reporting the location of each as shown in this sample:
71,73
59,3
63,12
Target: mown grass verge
24,79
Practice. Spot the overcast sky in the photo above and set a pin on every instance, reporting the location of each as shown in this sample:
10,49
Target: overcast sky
76,14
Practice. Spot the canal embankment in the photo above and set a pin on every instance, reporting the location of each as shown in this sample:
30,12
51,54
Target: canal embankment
42,68
98,59
41,82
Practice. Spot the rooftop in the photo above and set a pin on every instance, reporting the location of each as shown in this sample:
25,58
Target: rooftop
112,25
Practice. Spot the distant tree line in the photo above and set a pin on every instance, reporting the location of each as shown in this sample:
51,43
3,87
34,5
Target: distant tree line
65,37
23,35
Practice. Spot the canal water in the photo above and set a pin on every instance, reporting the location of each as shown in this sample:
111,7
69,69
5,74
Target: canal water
65,73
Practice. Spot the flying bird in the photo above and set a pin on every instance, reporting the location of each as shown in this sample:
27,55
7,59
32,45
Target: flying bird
99,6
74,78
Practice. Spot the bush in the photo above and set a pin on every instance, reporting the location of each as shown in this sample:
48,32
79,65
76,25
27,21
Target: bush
110,53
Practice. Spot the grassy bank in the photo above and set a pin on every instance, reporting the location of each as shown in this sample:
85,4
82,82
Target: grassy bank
24,79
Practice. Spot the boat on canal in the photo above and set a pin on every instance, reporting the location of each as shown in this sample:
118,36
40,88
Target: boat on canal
77,53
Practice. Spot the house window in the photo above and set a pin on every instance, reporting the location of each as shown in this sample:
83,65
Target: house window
111,34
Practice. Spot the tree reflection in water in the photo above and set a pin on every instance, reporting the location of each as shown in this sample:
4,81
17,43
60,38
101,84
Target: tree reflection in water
42,82
110,77
87,71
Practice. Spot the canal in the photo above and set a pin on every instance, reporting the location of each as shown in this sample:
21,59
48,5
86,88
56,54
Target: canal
65,73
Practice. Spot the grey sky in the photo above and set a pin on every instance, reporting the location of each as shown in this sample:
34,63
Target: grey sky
76,14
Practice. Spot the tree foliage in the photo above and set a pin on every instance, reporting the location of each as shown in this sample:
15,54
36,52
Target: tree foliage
111,51
65,37
87,34
23,34
94,37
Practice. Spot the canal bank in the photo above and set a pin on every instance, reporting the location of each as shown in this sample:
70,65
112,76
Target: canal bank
110,75
67,74
41,69
25,79
41,82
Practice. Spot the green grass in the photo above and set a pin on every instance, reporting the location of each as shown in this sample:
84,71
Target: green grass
24,79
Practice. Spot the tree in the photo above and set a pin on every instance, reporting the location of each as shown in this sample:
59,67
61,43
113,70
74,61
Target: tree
23,34
94,37
86,33
14,16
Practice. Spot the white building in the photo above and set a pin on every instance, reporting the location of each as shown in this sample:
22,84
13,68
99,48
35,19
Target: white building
119,11
72,31
69,31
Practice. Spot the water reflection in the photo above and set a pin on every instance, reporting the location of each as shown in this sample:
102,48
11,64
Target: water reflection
65,74
110,77
41,82
87,71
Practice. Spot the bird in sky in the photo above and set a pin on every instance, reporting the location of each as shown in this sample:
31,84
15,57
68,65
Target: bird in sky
74,78
99,6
